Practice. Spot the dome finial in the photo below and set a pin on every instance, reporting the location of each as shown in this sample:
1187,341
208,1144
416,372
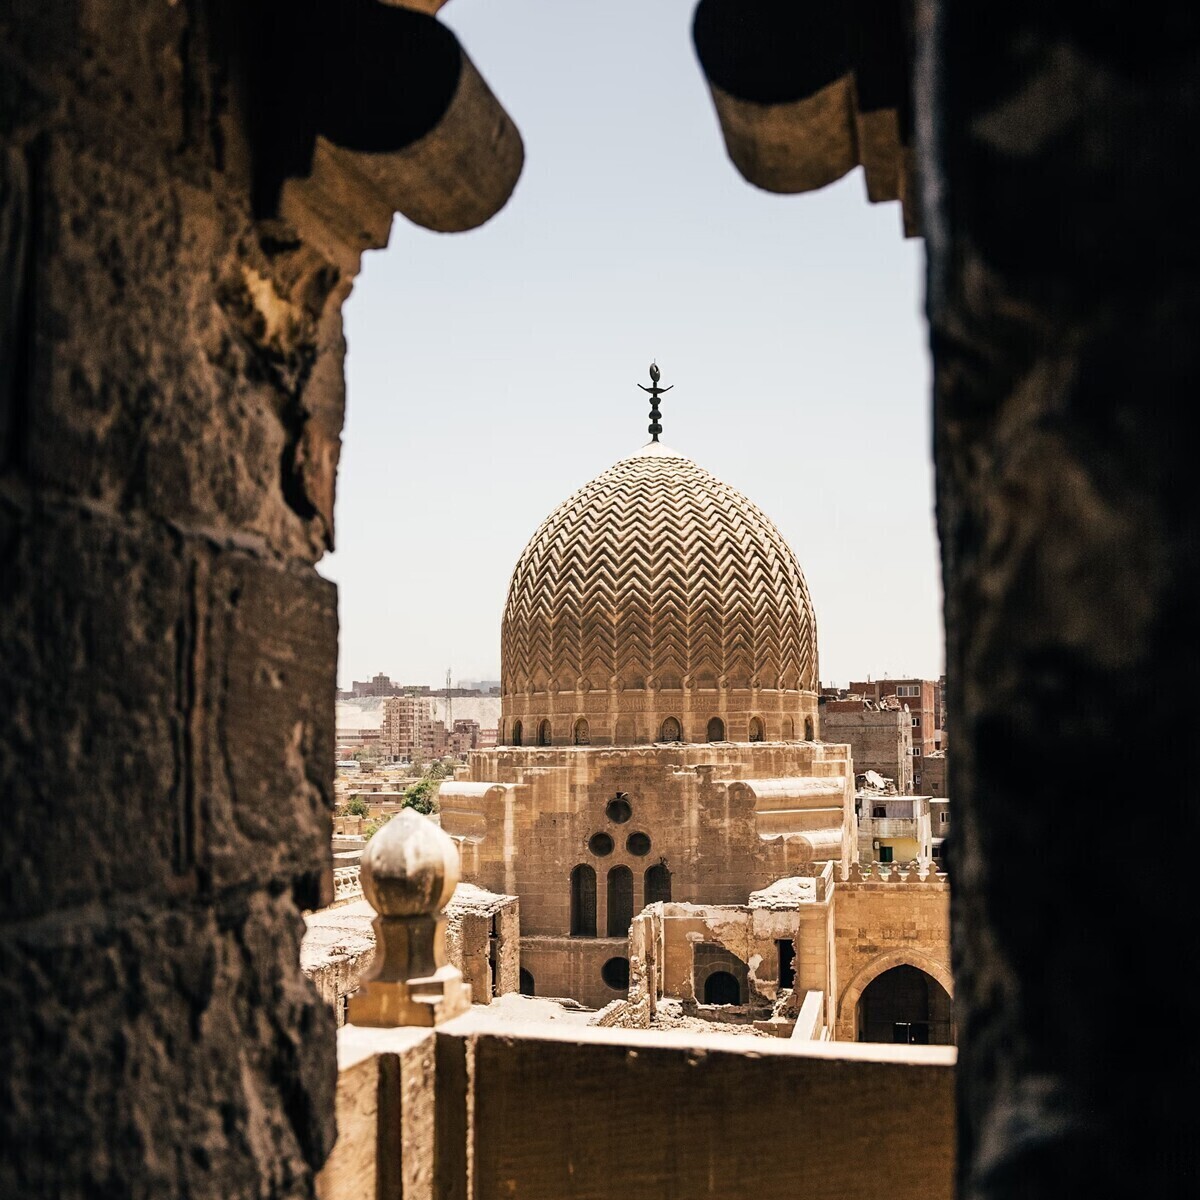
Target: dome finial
655,391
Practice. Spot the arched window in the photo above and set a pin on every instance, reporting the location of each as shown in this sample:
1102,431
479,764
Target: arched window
722,988
756,729
582,733
583,901
671,731
658,884
620,901
516,737
544,737
808,730
716,730
526,985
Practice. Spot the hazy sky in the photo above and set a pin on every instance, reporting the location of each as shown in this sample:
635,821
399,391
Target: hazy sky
492,373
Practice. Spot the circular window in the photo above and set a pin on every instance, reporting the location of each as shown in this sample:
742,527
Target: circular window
615,973
600,844
618,809
638,843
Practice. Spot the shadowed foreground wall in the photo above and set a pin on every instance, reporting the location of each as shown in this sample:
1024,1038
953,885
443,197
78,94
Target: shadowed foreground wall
1064,302
169,435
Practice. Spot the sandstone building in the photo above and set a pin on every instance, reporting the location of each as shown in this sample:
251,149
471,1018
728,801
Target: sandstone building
659,744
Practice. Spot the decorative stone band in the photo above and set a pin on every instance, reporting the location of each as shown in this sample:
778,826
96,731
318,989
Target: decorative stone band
907,873
347,885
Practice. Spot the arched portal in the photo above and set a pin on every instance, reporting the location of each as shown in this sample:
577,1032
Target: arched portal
544,736
658,884
583,901
905,1004
516,734
756,729
722,988
620,901
582,733
671,731
809,732
716,730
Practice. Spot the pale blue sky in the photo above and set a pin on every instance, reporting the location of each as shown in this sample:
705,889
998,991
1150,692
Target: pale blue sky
492,373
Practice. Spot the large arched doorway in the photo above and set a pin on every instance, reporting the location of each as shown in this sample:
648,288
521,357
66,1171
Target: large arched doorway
722,988
905,1004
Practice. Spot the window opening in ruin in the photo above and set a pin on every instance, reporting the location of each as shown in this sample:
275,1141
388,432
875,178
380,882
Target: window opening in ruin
671,731
618,809
658,884
600,844
544,737
615,973
638,843
722,988
809,731
516,733
756,729
583,901
526,984
620,901
582,733
787,962
878,811
716,730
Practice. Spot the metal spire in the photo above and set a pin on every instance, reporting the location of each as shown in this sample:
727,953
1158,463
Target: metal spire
655,391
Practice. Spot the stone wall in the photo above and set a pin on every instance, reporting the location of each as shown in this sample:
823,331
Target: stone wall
879,740
168,440
179,226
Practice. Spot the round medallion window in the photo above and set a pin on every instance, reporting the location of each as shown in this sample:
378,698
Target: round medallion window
638,843
618,809
600,844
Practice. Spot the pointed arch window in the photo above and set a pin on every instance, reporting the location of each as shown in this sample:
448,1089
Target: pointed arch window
544,734
716,730
582,734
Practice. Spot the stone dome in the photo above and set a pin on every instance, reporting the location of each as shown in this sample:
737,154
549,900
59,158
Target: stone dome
657,601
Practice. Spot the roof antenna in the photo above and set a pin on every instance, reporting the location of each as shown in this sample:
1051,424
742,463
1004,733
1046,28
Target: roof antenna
655,391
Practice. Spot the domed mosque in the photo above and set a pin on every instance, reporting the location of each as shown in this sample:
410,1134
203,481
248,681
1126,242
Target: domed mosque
659,738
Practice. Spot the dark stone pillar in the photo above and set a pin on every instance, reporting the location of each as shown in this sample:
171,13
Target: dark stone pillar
1065,299
170,400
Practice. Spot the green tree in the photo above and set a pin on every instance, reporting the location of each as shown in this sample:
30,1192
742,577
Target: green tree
421,795
356,806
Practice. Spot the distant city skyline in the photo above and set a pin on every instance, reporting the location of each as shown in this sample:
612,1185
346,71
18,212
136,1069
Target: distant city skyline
491,374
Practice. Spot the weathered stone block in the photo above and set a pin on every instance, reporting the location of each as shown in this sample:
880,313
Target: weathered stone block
266,769
170,1054
94,776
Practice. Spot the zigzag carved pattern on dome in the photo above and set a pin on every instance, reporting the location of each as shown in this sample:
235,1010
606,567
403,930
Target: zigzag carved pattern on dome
658,570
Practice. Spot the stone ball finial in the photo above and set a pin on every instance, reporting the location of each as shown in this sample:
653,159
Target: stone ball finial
410,867
409,872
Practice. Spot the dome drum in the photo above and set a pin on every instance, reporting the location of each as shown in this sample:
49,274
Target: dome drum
785,717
